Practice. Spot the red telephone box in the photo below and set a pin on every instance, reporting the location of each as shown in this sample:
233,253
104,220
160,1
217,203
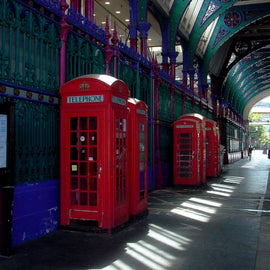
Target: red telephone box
201,120
186,152
138,124
94,175
212,146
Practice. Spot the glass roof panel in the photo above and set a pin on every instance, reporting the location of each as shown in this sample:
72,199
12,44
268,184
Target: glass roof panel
205,38
190,16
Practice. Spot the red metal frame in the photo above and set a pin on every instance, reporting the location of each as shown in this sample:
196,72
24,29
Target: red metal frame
201,120
218,144
212,146
94,135
186,152
138,123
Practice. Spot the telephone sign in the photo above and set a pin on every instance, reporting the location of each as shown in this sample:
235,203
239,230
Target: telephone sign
85,99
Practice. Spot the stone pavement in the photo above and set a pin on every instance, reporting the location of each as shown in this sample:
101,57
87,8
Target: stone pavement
224,224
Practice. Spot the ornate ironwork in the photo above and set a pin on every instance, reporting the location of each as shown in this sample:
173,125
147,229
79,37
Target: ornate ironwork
165,102
83,58
29,48
36,142
211,9
222,32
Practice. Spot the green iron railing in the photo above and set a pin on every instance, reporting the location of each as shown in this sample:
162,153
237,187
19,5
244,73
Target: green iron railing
36,142
165,102
127,74
29,48
177,105
83,58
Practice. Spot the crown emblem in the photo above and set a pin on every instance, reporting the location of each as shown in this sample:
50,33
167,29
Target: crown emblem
84,86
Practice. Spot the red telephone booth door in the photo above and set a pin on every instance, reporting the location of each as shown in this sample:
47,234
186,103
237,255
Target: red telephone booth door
138,156
121,185
211,148
218,151
186,152
85,167
87,178
201,120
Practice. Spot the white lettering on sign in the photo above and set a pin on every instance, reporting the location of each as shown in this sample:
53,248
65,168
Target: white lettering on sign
184,126
139,111
85,99
119,100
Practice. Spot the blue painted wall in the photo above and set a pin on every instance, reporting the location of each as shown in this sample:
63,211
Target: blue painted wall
150,178
36,210
168,175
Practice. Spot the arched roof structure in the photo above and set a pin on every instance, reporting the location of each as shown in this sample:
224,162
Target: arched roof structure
228,39
231,39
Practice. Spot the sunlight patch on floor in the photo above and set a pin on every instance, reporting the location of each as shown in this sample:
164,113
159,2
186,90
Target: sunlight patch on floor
153,250
207,202
223,194
234,180
149,252
190,214
202,208
223,186
165,240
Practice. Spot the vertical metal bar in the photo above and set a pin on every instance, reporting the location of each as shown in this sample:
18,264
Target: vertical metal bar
138,80
57,65
67,57
75,65
29,39
79,58
10,47
83,61
29,53
118,67
51,65
3,39
3,49
153,130
36,55
46,63
17,49
41,58
87,62
23,55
